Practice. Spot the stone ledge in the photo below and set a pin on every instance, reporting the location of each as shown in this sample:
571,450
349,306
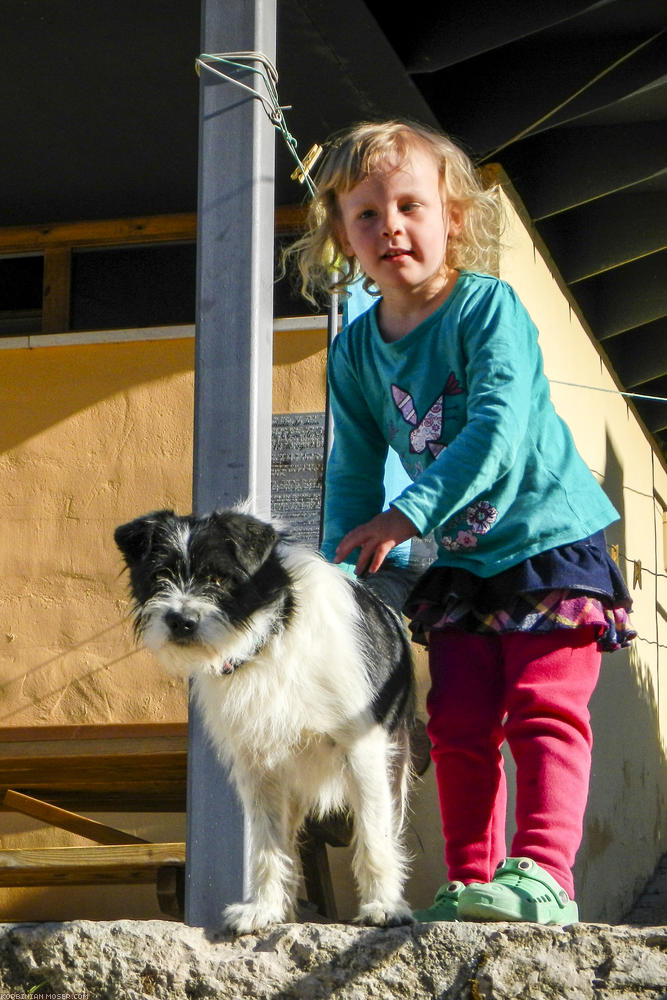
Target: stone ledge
133,960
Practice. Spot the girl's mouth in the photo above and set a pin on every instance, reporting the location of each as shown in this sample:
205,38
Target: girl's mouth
397,252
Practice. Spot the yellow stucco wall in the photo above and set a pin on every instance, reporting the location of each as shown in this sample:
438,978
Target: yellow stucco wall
97,434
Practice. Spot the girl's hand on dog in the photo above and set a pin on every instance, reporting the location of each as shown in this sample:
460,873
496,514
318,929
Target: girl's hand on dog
376,538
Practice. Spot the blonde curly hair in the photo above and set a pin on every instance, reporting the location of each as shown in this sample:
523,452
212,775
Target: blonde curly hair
361,150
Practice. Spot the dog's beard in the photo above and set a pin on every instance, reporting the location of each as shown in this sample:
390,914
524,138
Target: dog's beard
216,646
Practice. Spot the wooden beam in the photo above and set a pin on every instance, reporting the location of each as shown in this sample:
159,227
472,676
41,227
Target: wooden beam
136,732
558,170
613,305
56,290
99,833
98,233
290,219
131,863
149,229
638,355
91,772
606,233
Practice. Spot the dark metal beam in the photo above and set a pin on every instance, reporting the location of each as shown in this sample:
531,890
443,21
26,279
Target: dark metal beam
606,233
654,412
627,297
623,92
639,355
233,365
558,170
458,32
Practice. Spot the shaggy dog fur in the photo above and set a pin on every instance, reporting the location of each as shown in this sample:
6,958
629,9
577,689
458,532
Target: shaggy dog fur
305,682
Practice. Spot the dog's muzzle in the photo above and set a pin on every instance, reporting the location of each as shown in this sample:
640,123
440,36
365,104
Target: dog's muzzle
182,625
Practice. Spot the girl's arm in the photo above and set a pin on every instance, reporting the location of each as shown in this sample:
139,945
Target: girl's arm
354,490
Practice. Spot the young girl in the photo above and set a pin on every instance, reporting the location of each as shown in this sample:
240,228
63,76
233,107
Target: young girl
446,370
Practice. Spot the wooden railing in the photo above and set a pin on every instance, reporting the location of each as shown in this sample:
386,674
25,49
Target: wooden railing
56,241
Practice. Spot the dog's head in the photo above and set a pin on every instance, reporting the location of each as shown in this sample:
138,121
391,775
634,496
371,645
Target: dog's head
207,591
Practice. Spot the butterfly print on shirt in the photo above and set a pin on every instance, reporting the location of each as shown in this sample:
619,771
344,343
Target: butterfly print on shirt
426,433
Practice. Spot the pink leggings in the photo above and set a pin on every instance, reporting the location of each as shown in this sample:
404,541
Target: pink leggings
531,689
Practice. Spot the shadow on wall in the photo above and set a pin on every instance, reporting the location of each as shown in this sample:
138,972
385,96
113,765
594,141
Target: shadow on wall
625,830
73,379
41,689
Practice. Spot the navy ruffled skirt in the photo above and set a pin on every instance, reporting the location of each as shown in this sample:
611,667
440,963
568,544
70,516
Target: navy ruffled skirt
571,586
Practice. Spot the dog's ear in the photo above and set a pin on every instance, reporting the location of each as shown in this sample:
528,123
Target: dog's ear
252,540
135,539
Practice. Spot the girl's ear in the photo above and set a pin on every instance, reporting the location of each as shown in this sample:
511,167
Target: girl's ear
343,242
455,218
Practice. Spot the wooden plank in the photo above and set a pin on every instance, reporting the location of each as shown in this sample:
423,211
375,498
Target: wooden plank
162,797
317,877
290,219
132,781
177,228
132,863
93,731
85,741
92,771
100,833
56,290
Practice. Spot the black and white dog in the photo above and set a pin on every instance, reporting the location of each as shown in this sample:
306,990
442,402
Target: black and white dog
305,683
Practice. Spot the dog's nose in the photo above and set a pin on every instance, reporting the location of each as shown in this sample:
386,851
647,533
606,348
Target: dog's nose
180,624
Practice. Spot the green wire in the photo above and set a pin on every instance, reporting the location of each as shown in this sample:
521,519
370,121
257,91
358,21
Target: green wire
276,116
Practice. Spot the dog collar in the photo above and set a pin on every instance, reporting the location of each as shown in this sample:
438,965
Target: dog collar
233,663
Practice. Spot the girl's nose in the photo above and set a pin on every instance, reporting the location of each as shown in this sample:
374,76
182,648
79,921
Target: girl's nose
391,223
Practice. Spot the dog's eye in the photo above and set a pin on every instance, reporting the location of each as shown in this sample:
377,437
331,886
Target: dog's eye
215,581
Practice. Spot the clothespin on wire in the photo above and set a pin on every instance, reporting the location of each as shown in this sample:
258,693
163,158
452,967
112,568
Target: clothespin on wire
637,574
302,172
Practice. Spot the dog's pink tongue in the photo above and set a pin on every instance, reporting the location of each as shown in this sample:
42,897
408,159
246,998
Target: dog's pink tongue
227,668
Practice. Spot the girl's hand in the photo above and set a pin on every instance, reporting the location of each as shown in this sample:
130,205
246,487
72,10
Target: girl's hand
376,539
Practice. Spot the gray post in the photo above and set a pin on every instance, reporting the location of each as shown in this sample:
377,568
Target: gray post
233,364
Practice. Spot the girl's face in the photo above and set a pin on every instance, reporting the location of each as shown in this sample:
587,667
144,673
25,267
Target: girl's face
396,223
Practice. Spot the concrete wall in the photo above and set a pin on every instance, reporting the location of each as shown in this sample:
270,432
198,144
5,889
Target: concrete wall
96,433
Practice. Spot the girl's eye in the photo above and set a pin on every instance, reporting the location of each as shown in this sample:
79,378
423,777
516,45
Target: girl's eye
367,214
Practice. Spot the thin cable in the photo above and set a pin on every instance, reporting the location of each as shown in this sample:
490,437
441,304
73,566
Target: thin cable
577,93
616,392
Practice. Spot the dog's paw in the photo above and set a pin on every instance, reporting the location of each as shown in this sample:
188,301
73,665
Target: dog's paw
379,914
246,918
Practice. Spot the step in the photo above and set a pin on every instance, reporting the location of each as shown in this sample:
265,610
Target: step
169,961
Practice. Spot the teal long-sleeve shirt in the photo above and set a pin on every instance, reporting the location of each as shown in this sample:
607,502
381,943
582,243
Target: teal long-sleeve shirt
464,401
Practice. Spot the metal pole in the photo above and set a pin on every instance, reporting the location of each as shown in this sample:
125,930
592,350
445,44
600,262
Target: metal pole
233,364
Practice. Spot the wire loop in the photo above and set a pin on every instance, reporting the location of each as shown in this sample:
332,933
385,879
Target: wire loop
269,101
